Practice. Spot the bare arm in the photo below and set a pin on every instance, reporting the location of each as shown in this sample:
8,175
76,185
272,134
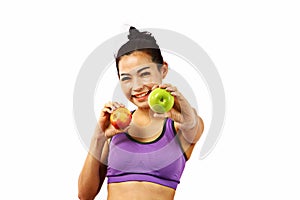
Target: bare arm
186,119
192,132
94,170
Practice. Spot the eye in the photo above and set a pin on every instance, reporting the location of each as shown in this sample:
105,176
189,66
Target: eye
145,74
125,78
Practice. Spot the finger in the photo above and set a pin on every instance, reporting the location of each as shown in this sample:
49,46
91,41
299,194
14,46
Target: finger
165,85
122,105
115,106
176,94
170,89
105,110
175,115
160,115
112,106
154,87
126,129
108,105
112,131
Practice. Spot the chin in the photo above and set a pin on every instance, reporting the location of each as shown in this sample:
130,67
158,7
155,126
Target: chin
143,105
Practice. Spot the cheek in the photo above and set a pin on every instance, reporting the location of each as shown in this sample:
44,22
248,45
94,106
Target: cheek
154,79
125,88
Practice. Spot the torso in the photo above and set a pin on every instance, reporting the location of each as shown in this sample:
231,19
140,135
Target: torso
142,189
134,190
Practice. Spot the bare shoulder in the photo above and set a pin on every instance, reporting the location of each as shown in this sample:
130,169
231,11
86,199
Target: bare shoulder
188,147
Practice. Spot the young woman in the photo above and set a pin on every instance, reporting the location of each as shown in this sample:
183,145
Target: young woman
146,160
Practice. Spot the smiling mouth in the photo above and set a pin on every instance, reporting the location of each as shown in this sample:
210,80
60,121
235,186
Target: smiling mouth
141,95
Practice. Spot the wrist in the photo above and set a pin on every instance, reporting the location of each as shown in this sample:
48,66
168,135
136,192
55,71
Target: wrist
189,126
99,134
96,144
193,123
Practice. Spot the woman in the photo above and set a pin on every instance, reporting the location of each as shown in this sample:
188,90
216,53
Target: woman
146,160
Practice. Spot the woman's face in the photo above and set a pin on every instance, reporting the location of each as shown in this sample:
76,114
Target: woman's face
138,74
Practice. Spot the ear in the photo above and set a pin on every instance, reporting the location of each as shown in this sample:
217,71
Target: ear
164,69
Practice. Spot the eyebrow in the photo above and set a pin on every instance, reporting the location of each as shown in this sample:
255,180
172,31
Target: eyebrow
126,74
142,69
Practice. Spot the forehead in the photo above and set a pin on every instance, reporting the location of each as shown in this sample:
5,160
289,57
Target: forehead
133,61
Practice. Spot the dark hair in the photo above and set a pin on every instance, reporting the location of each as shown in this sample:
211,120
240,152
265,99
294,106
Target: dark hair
140,41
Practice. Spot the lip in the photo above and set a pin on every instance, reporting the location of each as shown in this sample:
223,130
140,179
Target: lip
141,96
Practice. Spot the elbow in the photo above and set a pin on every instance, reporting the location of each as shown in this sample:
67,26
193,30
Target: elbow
84,198
81,196
85,195
86,192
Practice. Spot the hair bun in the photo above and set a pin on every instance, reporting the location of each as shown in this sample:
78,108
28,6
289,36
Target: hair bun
135,34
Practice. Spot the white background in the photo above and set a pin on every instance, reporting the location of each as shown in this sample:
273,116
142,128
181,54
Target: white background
254,45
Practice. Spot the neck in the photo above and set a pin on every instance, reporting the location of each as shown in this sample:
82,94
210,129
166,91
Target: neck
145,126
144,116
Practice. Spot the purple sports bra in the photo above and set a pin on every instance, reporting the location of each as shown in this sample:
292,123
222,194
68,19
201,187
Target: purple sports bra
161,161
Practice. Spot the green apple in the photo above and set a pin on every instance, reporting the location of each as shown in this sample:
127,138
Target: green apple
160,100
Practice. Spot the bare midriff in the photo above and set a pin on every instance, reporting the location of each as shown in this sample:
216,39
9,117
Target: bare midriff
136,190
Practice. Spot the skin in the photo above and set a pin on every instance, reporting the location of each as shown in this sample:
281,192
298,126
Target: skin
138,77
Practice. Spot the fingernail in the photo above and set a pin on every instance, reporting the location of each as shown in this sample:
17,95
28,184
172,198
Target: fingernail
157,115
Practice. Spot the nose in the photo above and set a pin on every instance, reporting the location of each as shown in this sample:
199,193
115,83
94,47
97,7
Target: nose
137,84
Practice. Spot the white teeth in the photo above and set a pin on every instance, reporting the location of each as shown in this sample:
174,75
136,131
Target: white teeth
141,95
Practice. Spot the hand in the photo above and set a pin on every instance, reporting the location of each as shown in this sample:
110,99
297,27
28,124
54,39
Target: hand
182,113
104,120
